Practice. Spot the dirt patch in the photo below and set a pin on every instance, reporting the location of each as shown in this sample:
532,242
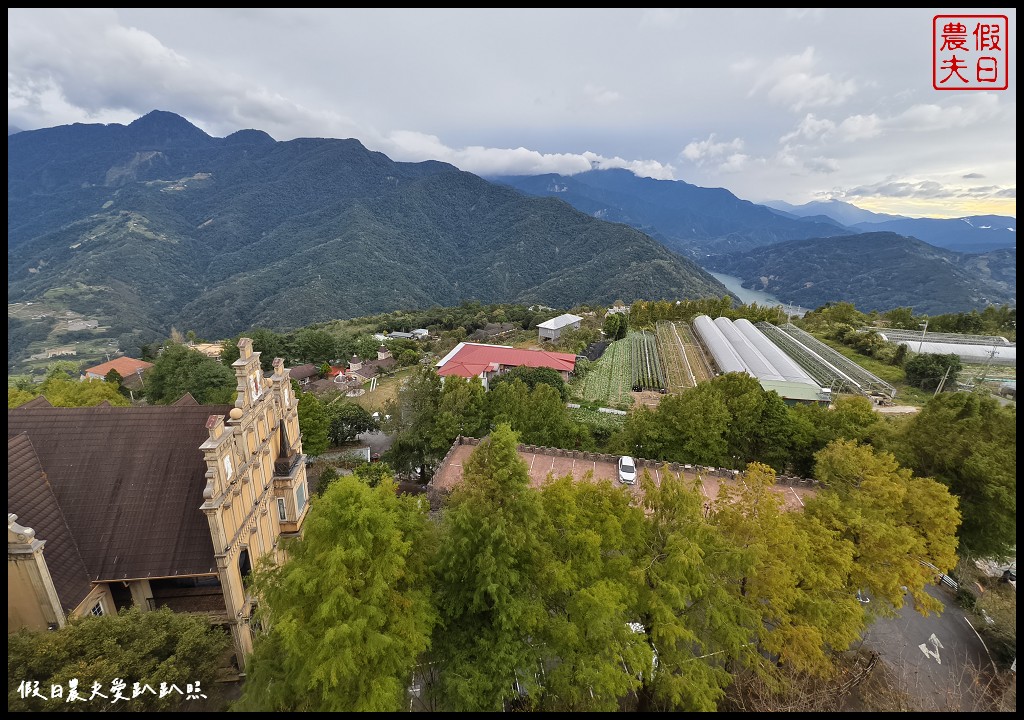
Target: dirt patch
650,398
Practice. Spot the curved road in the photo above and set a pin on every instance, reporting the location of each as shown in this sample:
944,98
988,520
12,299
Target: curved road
936,658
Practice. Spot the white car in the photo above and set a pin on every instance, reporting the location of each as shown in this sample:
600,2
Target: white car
627,470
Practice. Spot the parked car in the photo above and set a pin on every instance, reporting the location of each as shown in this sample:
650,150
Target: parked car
627,470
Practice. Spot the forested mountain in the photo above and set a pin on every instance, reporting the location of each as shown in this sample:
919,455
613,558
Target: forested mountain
697,220
157,223
973,233
877,271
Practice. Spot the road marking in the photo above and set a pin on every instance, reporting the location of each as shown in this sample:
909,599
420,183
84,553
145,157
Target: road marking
797,497
932,653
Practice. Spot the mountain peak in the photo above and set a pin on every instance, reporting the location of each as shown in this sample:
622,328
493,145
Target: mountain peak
162,127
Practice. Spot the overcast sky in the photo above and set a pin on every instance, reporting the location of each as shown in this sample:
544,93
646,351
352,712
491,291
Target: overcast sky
794,105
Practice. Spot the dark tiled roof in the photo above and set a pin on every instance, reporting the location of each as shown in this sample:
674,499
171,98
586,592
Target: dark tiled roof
37,401
301,372
30,497
129,481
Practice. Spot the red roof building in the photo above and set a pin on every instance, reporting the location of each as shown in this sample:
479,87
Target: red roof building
125,366
470,360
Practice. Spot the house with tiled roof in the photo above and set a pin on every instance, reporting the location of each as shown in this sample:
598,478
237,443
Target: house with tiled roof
305,374
125,366
367,369
471,360
158,506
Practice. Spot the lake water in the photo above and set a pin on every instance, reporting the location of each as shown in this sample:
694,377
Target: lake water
748,296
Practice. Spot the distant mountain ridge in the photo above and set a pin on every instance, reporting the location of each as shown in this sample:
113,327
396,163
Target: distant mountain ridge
687,218
157,223
877,271
842,212
974,233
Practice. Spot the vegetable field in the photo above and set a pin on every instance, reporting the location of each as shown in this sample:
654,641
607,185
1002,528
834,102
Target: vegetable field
609,379
646,364
678,373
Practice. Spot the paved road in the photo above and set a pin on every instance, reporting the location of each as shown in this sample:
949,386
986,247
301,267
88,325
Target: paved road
933,656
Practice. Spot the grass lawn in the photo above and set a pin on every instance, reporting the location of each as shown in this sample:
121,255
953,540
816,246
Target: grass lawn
387,389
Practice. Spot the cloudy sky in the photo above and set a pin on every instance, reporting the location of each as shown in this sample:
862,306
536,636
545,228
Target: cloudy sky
794,105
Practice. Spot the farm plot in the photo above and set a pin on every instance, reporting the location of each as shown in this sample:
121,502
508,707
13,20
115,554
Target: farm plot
647,372
678,373
608,381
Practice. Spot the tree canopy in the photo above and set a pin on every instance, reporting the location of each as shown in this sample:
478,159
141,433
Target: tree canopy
151,649
349,614
179,370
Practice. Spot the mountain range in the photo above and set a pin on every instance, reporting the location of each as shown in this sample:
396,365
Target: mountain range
973,233
729,235
902,272
156,224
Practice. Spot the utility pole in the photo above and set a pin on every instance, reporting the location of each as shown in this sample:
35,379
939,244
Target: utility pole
943,381
984,370
921,344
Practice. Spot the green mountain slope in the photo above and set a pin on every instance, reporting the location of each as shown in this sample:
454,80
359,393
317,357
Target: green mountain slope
157,224
877,271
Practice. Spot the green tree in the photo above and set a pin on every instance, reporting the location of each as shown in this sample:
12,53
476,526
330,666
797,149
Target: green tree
533,377
539,416
815,426
690,427
146,648
408,357
895,520
314,423
350,613
462,409
968,442
411,419
796,583
694,621
315,346
181,370
927,370
268,343
62,391
595,534
374,473
611,326
347,420
491,572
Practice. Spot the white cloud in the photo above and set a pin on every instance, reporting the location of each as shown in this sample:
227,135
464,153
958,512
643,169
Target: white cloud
600,95
923,189
700,151
860,127
790,81
414,146
972,110
810,128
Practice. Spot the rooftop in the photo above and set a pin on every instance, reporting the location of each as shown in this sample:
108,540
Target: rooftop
129,482
472,359
559,322
125,366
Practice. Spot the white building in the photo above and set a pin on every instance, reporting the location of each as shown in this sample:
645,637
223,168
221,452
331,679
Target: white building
552,329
